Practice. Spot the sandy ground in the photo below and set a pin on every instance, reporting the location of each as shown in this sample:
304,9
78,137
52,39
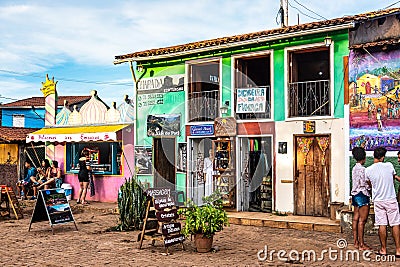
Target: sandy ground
93,245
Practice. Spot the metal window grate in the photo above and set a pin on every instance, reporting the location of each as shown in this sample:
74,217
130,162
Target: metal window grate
311,98
203,106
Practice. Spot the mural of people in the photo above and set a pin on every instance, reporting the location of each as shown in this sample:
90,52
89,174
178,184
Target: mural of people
374,89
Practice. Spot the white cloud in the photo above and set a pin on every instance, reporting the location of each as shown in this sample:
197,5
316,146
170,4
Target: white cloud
42,36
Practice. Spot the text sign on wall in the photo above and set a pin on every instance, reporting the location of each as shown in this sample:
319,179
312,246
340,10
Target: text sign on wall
161,84
251,100
199,130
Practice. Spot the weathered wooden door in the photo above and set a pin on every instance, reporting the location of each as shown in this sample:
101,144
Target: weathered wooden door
164,162
312,172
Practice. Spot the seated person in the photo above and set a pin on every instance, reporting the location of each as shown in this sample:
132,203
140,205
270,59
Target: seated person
26,183
54,176
42,174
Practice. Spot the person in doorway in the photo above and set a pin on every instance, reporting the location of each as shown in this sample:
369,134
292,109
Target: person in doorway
25,184
379,119
208,173
398,192
381,175
360,198
83,176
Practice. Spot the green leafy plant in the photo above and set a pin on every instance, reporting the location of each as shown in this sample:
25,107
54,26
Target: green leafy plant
131,205
207,219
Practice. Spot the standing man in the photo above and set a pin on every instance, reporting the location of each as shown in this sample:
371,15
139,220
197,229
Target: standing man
381,175
26,183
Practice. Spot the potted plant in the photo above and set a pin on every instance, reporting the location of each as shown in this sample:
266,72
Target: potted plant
204,221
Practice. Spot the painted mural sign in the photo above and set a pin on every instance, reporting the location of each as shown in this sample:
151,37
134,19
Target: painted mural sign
161,84
163,125
146,100
251,100
374,91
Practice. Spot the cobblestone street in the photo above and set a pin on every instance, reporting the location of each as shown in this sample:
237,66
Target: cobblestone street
93,245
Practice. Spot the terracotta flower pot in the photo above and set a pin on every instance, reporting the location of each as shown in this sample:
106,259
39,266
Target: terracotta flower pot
203,244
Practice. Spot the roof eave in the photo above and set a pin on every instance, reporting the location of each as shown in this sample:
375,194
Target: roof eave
246,42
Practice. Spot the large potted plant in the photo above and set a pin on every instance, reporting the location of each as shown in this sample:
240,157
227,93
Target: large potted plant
204,221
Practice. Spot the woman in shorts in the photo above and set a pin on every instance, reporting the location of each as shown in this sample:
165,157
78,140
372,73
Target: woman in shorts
360,198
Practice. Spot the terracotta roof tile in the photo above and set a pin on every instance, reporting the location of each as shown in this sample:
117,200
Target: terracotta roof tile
259,34
39,101
10,134
377,43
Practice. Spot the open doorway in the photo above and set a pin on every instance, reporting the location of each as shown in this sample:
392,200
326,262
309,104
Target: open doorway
199,151
164,163
255,168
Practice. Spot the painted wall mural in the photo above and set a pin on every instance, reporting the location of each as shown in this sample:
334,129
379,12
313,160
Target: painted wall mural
374,91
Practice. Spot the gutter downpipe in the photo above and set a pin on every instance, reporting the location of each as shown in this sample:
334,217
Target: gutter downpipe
247,42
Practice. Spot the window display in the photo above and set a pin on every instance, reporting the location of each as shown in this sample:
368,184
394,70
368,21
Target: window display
105,158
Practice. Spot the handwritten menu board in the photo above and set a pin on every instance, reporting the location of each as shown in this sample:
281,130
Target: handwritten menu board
166,229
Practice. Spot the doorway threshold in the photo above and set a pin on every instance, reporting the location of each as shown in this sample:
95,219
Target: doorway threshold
304,223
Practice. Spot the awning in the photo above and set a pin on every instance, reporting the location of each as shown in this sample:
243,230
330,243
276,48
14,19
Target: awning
76,134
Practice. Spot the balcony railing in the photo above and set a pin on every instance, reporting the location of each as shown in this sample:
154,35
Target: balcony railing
311,98
266,114
203,106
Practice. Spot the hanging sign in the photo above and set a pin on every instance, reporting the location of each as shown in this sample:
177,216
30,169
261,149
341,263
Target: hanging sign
225,126
171,228
52,205
251,100
164,202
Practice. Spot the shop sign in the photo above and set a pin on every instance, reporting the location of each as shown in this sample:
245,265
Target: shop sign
201,130
251,100
81,137
146,100
225,126
161,84
164,125
309,127
171,228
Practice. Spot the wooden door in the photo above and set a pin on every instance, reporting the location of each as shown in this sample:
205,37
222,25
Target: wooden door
312,172
164,162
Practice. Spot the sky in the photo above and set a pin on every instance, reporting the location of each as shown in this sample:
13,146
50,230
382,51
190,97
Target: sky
76,41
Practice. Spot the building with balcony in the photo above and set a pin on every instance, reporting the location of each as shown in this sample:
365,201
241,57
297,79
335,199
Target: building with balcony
265,108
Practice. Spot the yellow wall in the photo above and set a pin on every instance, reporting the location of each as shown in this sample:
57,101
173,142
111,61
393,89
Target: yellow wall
372,79
9,153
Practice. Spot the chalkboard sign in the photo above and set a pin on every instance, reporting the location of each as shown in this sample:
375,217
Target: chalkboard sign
164,202
166,216
173,240
171,228
52,205
164,227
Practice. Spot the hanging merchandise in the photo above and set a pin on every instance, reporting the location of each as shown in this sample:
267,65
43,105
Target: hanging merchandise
305,145
199,169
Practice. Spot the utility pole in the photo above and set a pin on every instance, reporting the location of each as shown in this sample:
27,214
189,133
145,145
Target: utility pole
285,16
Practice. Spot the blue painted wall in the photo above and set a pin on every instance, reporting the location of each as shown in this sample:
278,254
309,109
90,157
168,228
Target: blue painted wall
32,120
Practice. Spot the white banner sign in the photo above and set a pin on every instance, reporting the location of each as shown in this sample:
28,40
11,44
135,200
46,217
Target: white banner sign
251,100
81,137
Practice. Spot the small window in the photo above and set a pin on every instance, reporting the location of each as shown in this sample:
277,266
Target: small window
309,83
203,91
18,120
253,87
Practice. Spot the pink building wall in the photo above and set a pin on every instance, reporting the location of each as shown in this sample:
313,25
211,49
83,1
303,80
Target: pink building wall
106,186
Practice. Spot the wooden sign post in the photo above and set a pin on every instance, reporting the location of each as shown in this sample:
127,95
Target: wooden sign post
52,205
160,220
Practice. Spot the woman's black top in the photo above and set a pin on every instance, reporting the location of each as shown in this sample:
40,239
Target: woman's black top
83,171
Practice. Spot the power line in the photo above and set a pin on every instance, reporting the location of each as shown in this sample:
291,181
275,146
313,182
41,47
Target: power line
392,5
66,79
310,9
302,12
